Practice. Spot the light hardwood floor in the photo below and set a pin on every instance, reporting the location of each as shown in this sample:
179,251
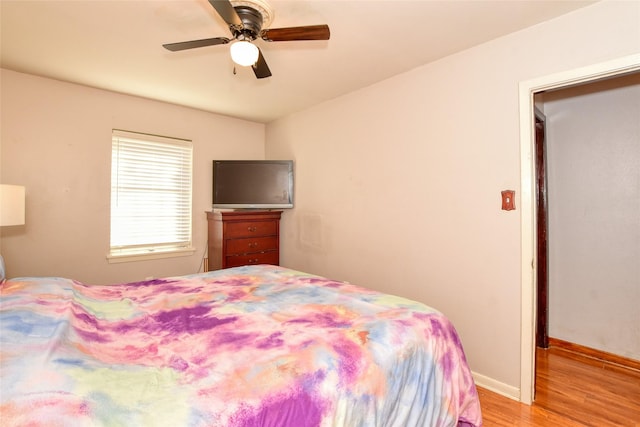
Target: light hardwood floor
571,390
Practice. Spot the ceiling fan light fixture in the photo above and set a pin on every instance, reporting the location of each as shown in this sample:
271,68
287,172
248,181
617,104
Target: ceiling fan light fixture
244,53
247,20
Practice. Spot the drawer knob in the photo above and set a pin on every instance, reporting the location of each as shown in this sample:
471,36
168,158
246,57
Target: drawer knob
252,229
253,244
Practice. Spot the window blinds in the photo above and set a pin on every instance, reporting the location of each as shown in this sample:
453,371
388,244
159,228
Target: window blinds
151,179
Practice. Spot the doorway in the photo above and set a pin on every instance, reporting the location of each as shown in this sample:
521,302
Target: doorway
593,201
529,257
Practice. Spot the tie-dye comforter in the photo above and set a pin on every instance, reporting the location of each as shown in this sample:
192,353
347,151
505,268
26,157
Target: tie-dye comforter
248,346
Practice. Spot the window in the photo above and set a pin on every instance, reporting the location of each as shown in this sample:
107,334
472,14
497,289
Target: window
150,196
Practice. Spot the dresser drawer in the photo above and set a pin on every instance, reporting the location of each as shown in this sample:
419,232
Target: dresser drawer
270,257
236,238
247,229
251,244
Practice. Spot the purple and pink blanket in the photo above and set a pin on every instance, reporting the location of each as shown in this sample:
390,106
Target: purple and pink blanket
248,346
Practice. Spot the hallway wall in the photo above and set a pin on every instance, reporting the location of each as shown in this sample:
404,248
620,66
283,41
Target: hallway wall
593,154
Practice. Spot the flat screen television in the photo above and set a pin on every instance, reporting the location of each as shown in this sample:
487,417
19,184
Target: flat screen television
252,184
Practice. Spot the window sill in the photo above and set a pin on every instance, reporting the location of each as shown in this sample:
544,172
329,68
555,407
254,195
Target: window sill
114,259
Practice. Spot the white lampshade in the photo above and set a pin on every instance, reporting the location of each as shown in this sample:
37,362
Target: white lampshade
244,53
11,204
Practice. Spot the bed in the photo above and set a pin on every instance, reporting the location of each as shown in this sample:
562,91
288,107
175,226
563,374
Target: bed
246,346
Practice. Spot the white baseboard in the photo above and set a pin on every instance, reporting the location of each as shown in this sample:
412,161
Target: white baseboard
496,386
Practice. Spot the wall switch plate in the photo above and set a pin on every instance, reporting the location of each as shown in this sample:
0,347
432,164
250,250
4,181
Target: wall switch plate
508,200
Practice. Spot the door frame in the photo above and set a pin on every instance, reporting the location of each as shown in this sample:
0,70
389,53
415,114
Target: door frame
528,280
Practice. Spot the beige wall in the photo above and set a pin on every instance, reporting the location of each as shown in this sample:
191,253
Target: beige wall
398,185
593,135
56,140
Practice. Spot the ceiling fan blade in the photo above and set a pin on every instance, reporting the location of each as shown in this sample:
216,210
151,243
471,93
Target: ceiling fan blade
174,47
260,68
227,12
309,32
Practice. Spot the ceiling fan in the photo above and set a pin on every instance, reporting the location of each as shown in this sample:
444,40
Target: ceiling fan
246,19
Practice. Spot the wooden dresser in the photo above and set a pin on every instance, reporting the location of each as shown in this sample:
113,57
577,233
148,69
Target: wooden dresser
242,238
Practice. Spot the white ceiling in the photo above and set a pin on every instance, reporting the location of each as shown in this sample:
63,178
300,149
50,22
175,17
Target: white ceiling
117,45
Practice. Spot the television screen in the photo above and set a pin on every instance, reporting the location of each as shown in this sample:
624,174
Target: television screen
252,184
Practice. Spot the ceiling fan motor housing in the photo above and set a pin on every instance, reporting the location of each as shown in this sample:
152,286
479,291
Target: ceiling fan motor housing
251,23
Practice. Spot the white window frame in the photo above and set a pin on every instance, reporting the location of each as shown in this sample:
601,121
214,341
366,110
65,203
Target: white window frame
150,174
